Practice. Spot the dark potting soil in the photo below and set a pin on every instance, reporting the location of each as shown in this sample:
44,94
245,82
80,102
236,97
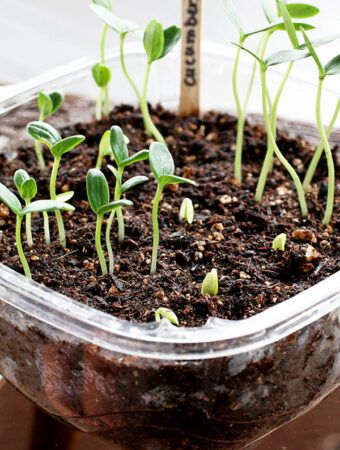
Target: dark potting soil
231,232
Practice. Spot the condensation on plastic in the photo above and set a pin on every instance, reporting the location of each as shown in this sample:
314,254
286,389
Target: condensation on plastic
105,375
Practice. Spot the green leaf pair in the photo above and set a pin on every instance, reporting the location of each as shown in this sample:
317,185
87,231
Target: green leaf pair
26,185
48,104
98,194
49,136
158,42
101,74
120,151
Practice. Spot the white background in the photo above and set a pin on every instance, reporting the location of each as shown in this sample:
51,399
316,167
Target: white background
37,35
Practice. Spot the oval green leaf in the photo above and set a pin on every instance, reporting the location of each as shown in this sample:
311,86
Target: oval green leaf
166,313
10,200
19,177
57,99
28,189
118,145
142,155
301,10
47,205
163,180
280,27
45,105
66,145
171,36
119,25
97,189
161,160
65,196
153,40
101,74
113,205
132,182
104,144
43,132
333,66
284,56
115,172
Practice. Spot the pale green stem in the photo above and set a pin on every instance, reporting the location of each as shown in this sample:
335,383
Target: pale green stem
99,102
318,152
126,73
290,169
150,127
28,224
99,161
21,253
240,118
53,195
46,228
268,160
99,249
108,241
39,154
105,103
155,228
330,163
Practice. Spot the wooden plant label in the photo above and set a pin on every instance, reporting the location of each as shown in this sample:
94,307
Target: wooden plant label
190,58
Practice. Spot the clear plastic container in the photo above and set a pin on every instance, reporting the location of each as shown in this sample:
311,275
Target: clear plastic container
220,386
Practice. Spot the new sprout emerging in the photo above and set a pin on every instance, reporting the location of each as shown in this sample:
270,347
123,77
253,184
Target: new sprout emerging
100,71
163,169
49,136
99,199
186,212
167,314
279,242
120,152
48,104
331,68
13,203
27,188
157,41
210,283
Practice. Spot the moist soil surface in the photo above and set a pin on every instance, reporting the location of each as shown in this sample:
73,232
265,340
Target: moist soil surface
231,232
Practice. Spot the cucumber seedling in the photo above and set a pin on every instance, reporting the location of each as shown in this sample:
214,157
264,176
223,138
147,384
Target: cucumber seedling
119,149
100,71
210,283
98,195
279,242
275,24
49,136
163,169
105,148
13,203
167,314
186,212
48,104
27,189
332,67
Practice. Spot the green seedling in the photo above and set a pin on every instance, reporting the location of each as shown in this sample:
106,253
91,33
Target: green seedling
100,71
319,150
99,199
332,67
118,146
27,188
279,242
167,314
158,42
186,212
48,104
13,203
210,283
105,148
163,169
267,31
49,136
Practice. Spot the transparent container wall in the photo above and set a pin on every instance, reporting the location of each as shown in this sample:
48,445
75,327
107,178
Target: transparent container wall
152,386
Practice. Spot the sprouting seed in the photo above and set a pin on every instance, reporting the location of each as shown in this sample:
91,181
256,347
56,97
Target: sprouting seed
27,188
48,135
99,199
13,203
167,314
210,283
186,212
279,242
163,169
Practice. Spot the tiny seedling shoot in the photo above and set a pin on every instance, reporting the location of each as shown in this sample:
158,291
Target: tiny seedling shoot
13,203
163,169
166,314
100,71
157,41
99,199
27,189
210,283
275,24
48,104
118,146
49,136
187,212
332,67
279,242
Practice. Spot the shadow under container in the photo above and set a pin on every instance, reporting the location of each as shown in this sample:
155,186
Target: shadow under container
155,386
